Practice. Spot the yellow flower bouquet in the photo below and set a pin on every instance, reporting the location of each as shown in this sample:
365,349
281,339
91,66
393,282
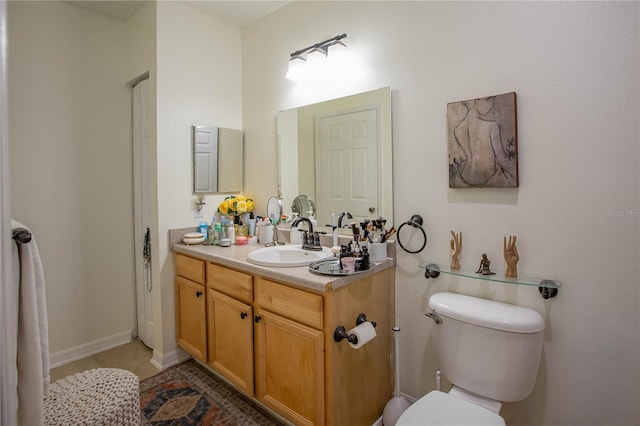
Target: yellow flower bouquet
236,205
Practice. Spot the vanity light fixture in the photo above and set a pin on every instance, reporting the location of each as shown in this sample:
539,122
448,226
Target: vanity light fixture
315,53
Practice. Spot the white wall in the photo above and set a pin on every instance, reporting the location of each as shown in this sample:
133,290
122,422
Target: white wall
199,82
574,66
70,142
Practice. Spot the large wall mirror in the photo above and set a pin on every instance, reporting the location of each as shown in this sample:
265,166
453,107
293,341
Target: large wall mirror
218,159
336,156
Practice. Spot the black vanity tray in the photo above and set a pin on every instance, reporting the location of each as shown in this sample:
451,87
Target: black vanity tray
331,267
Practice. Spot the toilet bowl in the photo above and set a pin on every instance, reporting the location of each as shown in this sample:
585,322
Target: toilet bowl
489,351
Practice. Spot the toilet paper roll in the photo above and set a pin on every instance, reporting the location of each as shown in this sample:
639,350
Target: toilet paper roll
365,333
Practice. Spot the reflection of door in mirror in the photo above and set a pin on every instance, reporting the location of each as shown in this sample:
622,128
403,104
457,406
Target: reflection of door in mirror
217,159
205,158
346,165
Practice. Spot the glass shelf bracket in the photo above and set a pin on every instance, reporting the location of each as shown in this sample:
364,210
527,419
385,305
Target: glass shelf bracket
548,288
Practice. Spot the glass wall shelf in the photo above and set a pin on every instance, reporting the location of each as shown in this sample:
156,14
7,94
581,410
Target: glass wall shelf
547,287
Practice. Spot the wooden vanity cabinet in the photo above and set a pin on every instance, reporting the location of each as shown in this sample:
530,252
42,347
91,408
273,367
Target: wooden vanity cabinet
275,343
191,314
230,325
290,352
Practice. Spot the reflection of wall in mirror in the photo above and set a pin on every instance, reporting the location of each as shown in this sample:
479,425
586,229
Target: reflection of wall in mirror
230,160
288,157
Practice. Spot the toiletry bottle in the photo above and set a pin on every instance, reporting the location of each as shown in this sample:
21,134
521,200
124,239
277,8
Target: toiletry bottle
231,233
252,224
204,229
217,233
211,235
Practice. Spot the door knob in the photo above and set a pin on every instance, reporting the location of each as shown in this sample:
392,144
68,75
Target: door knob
257,318
243,315
198,293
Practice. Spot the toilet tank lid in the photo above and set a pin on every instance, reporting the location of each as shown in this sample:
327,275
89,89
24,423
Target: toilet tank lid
487,313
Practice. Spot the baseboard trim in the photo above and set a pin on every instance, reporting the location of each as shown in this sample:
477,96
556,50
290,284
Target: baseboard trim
75,353
164,361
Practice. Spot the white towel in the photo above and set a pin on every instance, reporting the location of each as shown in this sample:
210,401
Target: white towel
33,338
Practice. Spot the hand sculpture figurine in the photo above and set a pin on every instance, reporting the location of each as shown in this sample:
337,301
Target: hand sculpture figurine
456,248
511,257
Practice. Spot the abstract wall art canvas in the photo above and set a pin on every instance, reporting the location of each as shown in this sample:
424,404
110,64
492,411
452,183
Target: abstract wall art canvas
483,142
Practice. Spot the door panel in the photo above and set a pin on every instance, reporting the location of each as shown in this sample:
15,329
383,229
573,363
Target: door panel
191,318
142,222
290,368
347,165
231,339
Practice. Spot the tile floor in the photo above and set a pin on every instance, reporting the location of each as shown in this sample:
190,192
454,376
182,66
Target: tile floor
133,356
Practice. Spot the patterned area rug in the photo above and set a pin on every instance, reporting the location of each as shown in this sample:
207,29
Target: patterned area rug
189,394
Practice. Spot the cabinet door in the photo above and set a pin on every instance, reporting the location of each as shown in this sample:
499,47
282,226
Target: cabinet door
191,318
230,325
290,368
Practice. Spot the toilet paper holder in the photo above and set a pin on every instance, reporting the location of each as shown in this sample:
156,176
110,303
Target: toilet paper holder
340,332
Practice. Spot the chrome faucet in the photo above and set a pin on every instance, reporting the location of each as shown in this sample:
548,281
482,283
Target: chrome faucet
341,216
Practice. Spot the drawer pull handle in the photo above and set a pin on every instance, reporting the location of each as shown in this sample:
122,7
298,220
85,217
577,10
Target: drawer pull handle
257,318
243,315
198,293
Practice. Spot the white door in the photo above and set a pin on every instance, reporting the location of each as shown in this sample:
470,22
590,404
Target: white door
346,165
142,241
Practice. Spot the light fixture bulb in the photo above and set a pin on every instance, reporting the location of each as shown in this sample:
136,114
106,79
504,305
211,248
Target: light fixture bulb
297,65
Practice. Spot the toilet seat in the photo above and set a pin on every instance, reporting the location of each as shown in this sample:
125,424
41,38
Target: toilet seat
439,408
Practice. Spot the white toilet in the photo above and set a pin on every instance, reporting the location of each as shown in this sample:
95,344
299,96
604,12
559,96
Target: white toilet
489,351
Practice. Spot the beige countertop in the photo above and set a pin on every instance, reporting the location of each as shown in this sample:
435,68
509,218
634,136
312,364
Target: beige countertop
236,257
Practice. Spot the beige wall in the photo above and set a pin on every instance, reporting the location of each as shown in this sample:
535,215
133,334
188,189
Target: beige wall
70,143
71,160
574,66
199,81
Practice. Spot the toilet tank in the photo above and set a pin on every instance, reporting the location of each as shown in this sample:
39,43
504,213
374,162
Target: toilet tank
489,348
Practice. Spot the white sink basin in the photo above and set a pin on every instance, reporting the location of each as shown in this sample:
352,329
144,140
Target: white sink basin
287,256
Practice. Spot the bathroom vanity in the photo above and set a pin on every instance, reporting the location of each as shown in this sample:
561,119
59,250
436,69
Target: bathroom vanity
270,332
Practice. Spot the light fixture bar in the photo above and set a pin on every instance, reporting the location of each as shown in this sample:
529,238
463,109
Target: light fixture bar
322,46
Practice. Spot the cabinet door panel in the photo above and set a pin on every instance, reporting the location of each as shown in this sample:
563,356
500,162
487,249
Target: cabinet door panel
231,339
191,318
290,368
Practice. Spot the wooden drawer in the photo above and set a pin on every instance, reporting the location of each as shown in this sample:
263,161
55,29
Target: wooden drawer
190,268
232,283
289,302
